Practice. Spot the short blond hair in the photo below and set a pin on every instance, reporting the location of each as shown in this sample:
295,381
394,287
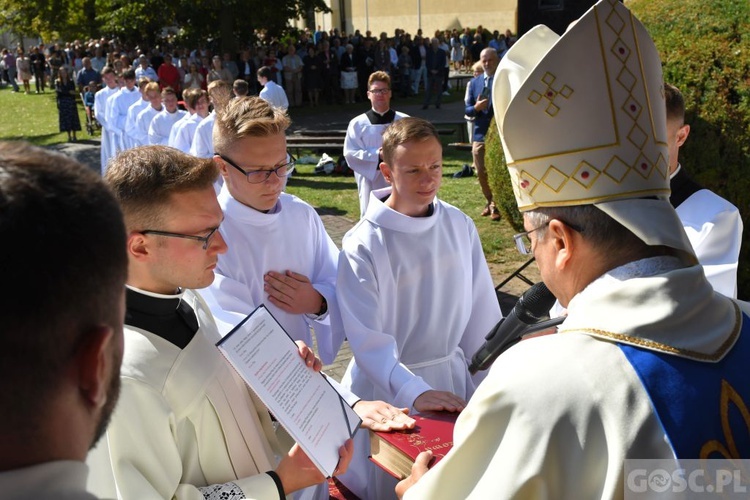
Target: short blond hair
406,130
151,87
379,76
247,117
219,93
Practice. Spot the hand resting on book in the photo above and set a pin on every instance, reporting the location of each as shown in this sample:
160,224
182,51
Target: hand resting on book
380,416
438,401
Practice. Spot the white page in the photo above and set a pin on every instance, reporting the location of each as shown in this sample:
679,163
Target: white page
303,401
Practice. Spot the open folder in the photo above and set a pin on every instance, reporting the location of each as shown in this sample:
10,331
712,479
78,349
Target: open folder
303,401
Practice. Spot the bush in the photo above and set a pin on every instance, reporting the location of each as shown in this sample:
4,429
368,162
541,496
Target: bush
499,179
705,50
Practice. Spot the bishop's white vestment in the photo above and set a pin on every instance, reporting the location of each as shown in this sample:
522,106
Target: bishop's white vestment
646,365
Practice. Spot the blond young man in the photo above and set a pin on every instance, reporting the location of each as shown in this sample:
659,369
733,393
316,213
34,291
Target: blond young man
144,118
281,253
188,426
131,130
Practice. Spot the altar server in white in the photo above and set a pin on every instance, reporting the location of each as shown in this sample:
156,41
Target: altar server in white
161,125
61,341
117,109
131,134
100,111
650,363
187,425
219,94
181,135
144,118
415,292
364,136
713,225
280,253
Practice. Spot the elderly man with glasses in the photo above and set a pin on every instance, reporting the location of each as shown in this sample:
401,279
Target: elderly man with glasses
650,362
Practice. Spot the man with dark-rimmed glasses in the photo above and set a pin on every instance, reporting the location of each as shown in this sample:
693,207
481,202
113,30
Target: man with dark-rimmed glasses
187,426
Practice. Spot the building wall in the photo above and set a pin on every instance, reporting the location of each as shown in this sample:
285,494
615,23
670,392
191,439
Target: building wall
410,15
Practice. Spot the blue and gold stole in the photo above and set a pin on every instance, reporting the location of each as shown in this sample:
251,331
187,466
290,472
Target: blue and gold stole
701,405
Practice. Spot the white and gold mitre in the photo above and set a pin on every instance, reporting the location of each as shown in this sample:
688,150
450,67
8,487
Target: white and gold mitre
582,117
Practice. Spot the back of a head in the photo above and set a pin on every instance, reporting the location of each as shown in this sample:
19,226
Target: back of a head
406,130
240,88
247,117
191,97
264,72
675,103
65,273
220,93
144,178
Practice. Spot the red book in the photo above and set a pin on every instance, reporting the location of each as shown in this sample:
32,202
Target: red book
395,452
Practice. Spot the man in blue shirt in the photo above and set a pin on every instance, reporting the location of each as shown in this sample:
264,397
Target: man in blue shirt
479,106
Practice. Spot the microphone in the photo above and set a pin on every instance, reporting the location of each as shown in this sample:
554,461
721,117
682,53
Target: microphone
526,317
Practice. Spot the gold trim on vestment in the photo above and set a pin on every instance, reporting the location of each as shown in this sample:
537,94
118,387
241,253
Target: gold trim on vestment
650,344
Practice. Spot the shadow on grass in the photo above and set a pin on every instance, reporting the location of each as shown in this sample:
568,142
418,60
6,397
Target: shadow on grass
330,211
300,181
40,139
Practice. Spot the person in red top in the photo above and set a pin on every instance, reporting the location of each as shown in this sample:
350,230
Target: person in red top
169,75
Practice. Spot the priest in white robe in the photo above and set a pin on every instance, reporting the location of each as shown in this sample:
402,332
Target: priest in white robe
713,225
364,136
187,426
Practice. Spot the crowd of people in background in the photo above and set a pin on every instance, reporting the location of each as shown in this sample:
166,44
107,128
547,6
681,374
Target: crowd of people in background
313,67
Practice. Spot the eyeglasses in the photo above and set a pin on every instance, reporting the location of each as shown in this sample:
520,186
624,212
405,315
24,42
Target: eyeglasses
260,176
205,239
523,242
379,91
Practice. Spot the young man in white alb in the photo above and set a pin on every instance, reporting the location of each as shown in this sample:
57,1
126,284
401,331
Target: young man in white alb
202,146
161,125
181,135
414,289
144,118
131,133
117,109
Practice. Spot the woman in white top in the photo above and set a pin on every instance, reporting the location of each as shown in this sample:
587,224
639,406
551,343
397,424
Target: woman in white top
193,79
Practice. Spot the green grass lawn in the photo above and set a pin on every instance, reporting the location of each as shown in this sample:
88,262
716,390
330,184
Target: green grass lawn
34,118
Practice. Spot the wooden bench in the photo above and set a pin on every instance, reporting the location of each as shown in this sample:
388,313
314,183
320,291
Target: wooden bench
316,146
460,78
315,133
460,146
